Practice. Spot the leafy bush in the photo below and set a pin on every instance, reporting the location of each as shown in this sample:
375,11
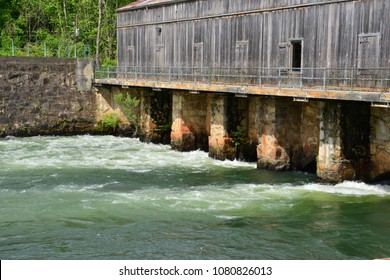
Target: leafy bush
128,105
239,136
110,121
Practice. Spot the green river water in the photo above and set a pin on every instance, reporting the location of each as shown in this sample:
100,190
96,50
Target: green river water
102,197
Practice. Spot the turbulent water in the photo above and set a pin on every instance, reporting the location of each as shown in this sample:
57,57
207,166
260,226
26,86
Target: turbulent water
89,197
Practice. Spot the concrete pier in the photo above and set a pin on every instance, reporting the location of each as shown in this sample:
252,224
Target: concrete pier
189,126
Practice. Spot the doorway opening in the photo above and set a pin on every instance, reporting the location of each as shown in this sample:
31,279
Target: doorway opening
296,55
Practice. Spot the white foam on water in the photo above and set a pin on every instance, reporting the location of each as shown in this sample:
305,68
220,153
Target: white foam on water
235,200
350,188
224,217
108,152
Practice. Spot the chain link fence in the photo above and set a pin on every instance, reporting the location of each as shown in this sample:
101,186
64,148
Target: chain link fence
45,49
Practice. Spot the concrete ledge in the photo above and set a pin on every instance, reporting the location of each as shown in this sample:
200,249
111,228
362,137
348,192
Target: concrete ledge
311,93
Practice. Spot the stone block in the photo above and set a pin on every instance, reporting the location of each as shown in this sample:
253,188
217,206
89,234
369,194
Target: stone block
221,148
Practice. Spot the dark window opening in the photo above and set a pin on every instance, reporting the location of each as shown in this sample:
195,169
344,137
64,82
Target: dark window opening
296,55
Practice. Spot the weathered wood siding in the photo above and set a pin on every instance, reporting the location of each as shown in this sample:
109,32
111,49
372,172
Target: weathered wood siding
252,33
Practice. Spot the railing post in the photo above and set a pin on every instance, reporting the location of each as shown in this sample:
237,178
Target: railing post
351,79
259,72
44,49
28,49
301,78
169,73
381,77
279,78
194,74
325,77
209,75
13,47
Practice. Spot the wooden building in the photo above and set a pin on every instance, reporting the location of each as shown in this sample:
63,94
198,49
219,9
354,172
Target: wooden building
288,34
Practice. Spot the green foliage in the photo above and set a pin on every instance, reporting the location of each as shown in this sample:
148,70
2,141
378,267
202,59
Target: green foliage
239,136
164,128
128,105
109,62
54,22
110,121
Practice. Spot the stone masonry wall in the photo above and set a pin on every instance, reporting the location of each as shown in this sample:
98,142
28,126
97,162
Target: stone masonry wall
271,153
379,143
287,131
310,134
41,96
189,117
332,165
220,144
106,105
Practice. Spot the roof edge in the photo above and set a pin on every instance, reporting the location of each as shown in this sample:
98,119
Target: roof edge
135,6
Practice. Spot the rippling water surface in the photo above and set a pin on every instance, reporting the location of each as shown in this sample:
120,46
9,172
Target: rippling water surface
89,197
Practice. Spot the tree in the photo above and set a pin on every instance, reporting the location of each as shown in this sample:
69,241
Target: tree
54,22
97,56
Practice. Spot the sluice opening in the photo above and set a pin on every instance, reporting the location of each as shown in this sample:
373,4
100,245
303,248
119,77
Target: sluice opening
355,135
238,126
383,179
311,167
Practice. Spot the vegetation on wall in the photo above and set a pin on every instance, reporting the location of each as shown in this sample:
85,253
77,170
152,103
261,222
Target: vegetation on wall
129,106
238,136
109,123
60,22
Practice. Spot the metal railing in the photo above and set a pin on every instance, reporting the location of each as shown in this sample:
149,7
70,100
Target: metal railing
371,80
